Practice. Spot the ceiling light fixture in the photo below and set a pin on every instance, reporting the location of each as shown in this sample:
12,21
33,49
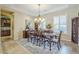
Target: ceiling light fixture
38,18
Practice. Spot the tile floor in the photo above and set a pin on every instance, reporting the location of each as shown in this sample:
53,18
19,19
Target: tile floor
67,48
12,47
24,47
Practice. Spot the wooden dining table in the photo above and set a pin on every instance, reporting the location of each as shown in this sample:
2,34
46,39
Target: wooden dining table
49,35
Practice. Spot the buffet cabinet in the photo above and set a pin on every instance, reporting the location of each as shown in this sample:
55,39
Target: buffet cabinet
25,34
6,25
75,29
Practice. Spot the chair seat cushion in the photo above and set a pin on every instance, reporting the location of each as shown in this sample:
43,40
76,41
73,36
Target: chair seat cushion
55,40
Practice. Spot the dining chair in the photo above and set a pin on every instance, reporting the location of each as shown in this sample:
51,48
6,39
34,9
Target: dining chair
31,35
47,38
57,40
39,38
53,39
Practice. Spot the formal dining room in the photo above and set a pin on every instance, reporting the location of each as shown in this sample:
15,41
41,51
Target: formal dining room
39,28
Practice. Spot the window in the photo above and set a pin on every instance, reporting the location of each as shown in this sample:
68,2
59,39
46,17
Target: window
60,24
42,24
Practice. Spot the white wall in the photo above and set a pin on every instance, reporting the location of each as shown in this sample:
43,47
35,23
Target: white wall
70,12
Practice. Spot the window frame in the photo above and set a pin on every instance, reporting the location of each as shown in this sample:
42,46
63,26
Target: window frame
59,25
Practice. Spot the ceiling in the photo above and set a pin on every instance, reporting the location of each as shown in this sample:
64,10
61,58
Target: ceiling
33,9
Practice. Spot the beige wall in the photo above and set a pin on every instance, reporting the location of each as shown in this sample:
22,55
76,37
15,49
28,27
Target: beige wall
0,21
0,34
70,12
19,22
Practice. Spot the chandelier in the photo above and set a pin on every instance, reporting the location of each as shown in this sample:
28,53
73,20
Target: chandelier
38,19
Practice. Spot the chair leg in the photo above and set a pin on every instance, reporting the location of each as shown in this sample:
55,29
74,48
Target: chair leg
44,44
58,46
33,40
37,42
50,46
53,43
27,39
41,42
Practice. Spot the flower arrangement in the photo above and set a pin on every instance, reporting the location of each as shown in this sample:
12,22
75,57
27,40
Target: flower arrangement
49,26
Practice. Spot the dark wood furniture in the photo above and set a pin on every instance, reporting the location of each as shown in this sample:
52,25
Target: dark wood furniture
75,29
25,34
5,33
53,39
41,37
6,25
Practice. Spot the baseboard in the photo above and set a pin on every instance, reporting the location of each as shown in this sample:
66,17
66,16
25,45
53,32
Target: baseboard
66,38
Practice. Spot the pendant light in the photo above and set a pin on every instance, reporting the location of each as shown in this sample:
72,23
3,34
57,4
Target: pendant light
38,18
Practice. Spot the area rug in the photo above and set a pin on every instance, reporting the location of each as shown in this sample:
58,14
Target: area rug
38,50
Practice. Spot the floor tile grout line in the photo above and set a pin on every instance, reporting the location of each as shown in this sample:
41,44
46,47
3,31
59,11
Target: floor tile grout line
3,48
22,46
